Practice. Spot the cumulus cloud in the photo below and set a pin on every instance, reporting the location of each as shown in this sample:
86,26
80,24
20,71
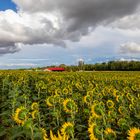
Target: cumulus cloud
130,47
54,22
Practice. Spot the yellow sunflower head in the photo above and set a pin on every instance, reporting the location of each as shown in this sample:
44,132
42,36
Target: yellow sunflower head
131,107
109,134
34,114
129,96
34,106
44,135
58,91
50,101
65,91
96,110
110,104
134,134
70,106
122,110
59,137
91,131
67,129
87,99
20,115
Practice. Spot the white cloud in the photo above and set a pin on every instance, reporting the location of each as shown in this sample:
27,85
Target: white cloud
18,64
31,59
124,59
55,22
130,47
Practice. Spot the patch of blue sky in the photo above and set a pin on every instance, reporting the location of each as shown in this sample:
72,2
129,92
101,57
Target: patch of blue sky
7,4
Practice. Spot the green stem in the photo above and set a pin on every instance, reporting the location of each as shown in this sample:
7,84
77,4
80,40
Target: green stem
32,133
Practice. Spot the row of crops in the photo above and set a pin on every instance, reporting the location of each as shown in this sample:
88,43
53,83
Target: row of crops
69,106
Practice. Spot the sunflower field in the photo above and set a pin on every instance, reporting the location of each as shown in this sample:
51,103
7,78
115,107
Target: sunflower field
69,105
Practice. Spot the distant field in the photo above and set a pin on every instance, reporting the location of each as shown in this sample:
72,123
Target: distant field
69,105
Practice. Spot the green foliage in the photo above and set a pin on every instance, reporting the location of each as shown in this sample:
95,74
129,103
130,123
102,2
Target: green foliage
33,103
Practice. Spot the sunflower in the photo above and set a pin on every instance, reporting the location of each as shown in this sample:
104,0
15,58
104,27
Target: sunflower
134,134
122,110
123,123
87,99
60,137
91,131
52,136
133,100
114,92
70,106
34,106
109,133
65,91
67,129
118,98
110,104
90,92
50,101
58,91
129,96
34,114
20,116
95,110
44,134
131,107
91,119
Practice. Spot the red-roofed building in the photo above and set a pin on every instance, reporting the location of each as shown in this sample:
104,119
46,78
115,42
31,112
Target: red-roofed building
55,69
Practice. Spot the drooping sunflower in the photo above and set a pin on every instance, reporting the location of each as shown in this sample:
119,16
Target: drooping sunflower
133,100
67,129
50,101
134,134
58,91
110,104
87,99
129,96
70,106
96,111
34,114
109,133
20,115
114,92
34,106
123,123
90,92
131,107
91,131
118,98
65,91
122,110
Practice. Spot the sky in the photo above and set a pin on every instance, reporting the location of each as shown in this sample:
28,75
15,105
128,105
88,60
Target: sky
37,33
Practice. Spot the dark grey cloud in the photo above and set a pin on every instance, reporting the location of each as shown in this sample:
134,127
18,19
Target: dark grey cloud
74,19
81,14
9,49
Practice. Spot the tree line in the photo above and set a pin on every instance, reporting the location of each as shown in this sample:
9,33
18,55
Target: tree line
106,66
